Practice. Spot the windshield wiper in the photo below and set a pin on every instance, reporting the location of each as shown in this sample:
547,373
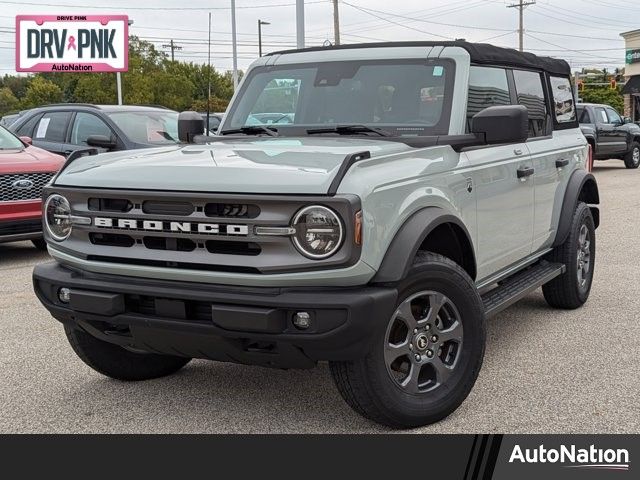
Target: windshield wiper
349,129
251,130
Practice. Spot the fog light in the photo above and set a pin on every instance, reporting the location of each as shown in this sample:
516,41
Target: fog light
302,320
64,294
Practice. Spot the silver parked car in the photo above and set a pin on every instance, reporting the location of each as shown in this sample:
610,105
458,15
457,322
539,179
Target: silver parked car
414,190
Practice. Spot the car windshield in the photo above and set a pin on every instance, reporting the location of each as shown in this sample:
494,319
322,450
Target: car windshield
375,97
8,141
148,127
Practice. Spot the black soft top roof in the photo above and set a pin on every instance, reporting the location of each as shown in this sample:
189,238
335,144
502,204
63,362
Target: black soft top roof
481,53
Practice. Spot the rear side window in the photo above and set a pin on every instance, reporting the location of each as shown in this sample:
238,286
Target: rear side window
27,129
488,87
601,115
530,94
563,101
52,127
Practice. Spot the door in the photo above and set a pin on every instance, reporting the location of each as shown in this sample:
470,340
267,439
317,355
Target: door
618,133
502,177
85,125
51,131
606,133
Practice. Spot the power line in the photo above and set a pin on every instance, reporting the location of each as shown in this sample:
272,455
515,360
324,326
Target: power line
67,5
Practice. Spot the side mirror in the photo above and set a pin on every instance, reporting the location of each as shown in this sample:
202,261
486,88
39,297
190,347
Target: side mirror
501,124
190,124
627,120
26,140
101,141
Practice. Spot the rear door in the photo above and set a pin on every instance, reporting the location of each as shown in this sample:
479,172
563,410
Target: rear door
51,131
605,131
504,201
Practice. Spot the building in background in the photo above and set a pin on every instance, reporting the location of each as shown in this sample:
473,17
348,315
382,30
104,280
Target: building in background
631,90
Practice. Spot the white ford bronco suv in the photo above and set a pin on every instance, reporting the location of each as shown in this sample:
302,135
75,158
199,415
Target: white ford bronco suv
367,205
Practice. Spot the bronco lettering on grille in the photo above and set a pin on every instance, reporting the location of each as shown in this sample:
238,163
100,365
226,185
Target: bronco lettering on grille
167,226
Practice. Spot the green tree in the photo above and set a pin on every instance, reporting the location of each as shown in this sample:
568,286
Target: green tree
606,95
41,92
97,88
8,101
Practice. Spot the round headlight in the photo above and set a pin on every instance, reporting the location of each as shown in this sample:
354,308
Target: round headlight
57,215
319,232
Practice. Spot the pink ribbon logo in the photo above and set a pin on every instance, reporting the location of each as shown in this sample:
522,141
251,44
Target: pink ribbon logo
72,43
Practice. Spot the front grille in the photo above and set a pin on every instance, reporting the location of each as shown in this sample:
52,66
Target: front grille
18,228
23,186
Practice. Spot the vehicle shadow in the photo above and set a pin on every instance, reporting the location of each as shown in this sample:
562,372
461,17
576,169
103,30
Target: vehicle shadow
19,253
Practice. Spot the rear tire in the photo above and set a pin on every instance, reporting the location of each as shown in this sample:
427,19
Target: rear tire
40,244
442,304
632,159
116,362
571,289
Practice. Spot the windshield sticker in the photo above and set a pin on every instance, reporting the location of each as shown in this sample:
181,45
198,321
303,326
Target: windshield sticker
438,70
42,128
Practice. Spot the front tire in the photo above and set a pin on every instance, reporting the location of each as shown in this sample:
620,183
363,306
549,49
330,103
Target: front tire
578,253
632,159
116,362
425,361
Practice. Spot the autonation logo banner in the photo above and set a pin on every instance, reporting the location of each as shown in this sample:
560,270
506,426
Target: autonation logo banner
564,457
72,43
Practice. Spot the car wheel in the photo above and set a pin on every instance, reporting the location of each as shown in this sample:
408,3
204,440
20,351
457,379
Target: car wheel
632,159
116,362
40,244
424,362
578,253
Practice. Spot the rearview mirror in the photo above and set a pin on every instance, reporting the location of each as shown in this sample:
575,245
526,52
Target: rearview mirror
501,124
101,141
190,124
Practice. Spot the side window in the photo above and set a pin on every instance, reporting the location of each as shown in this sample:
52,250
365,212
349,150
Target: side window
27,129
613,116
583,115
601,115
531,95
52,127
85,125
488,87
564,104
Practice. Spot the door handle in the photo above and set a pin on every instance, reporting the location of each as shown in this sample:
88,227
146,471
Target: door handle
562,163
517,151
524,172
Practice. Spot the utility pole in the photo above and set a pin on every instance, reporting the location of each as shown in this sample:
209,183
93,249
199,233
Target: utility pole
234,44
173,48
300,23
118,75
206,130
521,5
336,22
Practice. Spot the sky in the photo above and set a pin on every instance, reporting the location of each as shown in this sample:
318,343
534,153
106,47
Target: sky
586,33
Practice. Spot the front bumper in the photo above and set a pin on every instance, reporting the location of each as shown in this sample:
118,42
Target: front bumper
251,325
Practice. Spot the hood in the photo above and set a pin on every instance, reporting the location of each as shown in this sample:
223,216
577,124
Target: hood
29,159
289,165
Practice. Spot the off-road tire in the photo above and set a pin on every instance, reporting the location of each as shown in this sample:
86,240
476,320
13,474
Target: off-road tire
40,244
367,386
116,362
565,290
632,159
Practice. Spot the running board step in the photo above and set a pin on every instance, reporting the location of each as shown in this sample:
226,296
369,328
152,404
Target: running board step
520,285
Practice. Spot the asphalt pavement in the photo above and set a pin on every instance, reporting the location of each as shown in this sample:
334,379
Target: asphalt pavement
545,371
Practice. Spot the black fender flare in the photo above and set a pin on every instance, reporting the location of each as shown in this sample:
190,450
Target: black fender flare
403,248
580,181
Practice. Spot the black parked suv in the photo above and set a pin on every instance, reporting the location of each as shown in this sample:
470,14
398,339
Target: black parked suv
64,128
609,134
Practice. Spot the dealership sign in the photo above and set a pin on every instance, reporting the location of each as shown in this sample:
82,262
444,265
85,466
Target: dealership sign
633,56
72,43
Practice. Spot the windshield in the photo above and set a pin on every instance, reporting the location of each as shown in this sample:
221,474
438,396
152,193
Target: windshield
8,141
399,97
155,128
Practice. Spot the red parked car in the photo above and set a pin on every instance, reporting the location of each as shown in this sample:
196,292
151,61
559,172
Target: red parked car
24,170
